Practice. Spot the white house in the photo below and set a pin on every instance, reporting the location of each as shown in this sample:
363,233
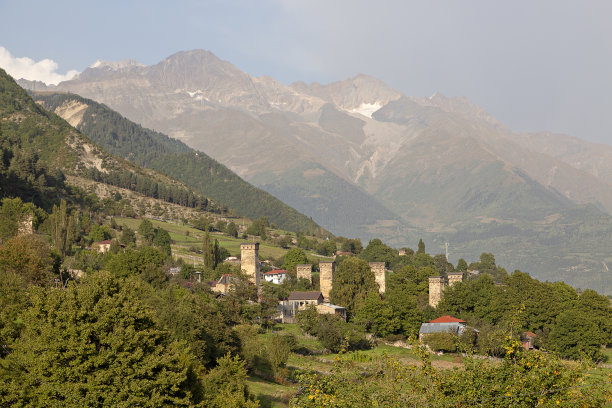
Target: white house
276,276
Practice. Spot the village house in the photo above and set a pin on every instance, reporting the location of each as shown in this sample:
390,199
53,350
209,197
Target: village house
443,324
223,285
232,260
276,276
103,246
299,301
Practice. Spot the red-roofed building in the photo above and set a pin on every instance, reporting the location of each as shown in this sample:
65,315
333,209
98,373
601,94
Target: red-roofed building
443,324
276,276
447,319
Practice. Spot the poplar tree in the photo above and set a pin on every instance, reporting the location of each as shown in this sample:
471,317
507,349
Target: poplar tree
62,228
211,251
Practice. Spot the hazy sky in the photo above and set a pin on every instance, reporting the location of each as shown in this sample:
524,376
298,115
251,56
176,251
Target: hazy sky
535,65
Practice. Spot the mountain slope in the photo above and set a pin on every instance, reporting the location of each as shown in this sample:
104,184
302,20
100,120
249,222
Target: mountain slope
42,154
367,161
154,150
594,158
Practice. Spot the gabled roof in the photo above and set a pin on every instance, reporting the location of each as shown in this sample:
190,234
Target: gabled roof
225,279
446,319
106,241
305,296
275,272
530,334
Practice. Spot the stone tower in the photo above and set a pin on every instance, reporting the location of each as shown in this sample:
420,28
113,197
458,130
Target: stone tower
436,286
304,271
249,261
454,277
326,278
379,274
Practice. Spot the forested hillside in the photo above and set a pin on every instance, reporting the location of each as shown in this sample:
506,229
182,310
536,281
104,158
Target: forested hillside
154,150
39,150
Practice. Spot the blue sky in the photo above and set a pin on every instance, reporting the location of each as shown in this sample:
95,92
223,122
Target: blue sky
535,65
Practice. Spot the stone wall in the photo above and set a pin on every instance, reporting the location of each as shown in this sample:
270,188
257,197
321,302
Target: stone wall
327,276
304,271
379,274
249,261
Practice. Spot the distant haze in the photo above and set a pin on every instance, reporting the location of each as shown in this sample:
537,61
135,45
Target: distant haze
543,65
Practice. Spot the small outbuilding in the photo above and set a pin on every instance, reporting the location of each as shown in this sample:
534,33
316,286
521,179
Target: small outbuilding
443,324
328,308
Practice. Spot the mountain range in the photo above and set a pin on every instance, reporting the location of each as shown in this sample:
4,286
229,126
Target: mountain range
366,160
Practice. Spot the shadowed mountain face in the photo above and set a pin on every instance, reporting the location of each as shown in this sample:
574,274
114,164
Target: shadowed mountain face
364,160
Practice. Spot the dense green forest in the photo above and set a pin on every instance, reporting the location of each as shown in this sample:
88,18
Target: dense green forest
175,342
157,151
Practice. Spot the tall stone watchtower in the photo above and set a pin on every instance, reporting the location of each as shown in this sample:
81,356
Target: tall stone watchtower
436,286
249,261
379,274
327,277
304,272
454,278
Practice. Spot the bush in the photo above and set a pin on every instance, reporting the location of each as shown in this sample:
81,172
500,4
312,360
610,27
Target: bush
441,342
277,351
335,334
251,348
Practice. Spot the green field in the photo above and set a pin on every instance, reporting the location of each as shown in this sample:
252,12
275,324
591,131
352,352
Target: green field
186,238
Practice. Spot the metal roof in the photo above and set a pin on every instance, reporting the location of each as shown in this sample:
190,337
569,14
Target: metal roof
332,306
454,327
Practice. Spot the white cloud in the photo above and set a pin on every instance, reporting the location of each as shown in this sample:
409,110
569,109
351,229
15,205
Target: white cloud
44,70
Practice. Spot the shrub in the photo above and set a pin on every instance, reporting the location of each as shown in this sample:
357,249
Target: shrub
441,342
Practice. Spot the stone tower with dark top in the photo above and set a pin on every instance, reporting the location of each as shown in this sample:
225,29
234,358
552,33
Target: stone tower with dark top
454,277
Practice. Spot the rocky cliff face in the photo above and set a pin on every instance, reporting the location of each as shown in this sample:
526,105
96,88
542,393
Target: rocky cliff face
363,159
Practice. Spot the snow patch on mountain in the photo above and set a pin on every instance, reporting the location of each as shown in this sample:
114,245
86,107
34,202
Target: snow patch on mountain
367,109
198,95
